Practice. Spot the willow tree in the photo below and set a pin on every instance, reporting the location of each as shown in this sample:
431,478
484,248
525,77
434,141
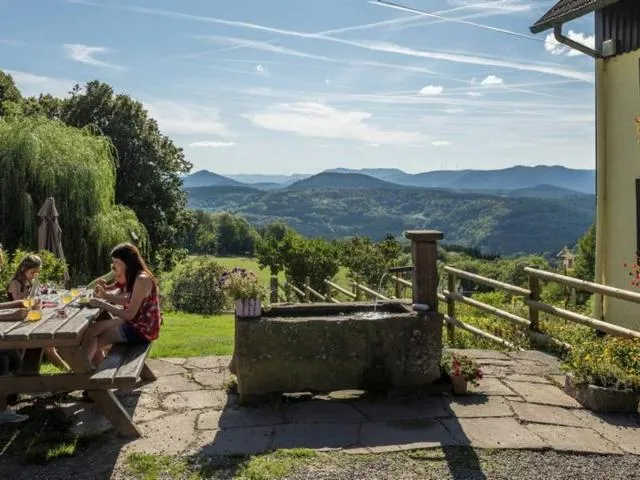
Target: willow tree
42,158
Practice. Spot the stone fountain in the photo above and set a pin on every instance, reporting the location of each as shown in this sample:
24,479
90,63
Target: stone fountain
329,347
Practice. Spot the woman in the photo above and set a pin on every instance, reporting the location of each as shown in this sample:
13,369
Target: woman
137,313
19,288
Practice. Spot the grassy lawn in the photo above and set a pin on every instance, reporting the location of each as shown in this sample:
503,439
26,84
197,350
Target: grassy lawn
187,335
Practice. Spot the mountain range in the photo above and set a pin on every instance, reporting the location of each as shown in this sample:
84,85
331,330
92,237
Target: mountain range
513,179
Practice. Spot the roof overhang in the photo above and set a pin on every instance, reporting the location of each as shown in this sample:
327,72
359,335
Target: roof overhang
566,10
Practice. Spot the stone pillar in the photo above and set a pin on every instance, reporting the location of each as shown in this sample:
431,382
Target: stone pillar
424,251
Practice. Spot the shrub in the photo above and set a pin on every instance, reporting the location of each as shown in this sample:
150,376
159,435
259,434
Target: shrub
194,287
52,269
606,362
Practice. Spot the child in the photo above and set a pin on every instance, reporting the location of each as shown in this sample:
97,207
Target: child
11,360
19,288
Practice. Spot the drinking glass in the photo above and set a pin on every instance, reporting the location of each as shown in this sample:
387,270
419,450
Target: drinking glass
34,315
66,298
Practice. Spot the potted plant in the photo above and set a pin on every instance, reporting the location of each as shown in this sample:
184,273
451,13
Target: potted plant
461,370
603,374
245,289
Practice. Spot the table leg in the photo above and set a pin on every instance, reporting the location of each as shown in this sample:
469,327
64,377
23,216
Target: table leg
106,401
31,361
147,375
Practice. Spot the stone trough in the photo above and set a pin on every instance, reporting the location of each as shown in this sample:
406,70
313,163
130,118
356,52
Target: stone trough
321,348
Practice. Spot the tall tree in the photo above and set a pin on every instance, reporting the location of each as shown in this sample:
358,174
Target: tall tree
9,93
46,158
149,165
585,265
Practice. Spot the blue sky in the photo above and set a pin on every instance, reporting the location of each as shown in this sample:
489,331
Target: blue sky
284,86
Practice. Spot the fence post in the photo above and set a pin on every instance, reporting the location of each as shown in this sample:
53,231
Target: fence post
534,314
424,252
399,289
356,291
307,292
287,292
274,289
451,307
328,294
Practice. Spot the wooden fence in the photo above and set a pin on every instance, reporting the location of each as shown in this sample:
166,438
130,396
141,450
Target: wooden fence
450,297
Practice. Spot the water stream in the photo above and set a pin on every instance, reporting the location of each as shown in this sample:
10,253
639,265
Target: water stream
375,299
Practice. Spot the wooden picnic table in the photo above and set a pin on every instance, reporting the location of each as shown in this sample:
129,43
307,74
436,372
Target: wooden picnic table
123,367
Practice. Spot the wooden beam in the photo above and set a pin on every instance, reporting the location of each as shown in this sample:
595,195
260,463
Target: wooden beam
510,317
343,291
584,320
512,289
585,286
480,333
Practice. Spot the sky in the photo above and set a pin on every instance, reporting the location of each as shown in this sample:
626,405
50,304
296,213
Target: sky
299,86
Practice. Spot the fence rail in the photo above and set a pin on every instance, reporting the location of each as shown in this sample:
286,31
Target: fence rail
451,298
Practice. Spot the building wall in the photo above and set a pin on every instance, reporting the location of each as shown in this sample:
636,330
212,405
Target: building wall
621,90
619,22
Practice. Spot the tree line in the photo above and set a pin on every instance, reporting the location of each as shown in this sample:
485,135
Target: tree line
147,167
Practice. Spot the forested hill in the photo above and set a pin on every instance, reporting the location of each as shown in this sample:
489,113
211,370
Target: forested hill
493,223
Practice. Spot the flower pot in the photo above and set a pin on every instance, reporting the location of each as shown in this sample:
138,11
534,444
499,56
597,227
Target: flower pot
459,384
248,307
600,399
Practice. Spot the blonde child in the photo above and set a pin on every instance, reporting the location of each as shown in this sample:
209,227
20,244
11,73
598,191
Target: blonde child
19,288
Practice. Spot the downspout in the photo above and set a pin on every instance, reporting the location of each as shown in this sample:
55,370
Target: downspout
601,184
601,164
557,33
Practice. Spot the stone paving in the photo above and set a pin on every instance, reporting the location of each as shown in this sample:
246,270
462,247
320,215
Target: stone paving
517,406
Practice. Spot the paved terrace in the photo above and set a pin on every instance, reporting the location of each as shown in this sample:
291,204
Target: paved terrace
187,411
518,406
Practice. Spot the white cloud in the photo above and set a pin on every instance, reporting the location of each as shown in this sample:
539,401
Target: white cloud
187,119
369,45
85,54
431,90
11,43
440,143
312,119
261,69
209,144
327,81
374,145
474,94
33,85
552,46
492,80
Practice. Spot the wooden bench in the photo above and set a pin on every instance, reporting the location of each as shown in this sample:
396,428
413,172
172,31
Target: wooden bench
122,367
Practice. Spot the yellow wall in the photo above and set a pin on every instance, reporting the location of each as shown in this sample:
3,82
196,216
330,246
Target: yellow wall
622,166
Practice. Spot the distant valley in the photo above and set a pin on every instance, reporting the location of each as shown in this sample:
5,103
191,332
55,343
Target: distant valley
518,210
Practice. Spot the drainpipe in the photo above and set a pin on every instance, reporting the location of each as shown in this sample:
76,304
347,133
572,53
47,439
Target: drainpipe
601,184
601,164
560,38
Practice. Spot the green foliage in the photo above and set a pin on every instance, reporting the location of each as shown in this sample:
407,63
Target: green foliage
45,158
9,93
367,261
194,286
585,264
270,245
491,223
309,257
606,362
149,164
52,270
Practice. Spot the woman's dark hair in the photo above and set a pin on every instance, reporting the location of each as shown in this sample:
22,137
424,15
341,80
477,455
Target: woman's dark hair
130,256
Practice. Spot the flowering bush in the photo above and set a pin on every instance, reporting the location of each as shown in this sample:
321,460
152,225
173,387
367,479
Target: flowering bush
606,362
242,284
460,365
634,271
